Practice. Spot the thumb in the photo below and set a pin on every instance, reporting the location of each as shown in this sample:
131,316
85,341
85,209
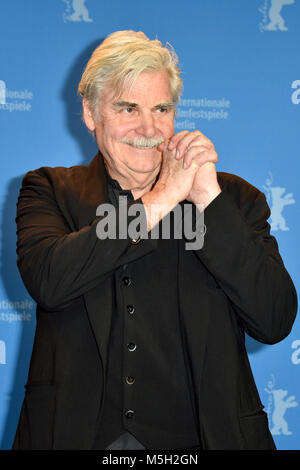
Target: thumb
162,147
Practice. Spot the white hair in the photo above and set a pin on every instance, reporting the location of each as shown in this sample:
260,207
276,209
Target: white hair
120,59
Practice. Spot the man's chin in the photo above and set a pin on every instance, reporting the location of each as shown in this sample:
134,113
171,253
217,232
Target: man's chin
145,160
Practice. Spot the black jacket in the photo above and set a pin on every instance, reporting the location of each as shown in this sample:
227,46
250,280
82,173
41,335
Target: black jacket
238,278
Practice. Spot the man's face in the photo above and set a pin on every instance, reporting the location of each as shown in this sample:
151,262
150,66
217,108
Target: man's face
130,127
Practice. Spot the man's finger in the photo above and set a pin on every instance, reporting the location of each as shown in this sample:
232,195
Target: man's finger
199,154
191,139
176,138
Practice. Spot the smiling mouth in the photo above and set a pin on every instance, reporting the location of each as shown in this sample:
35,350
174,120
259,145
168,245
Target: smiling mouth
144,147
143,143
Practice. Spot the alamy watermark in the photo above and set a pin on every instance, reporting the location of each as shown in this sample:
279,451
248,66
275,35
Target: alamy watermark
184,221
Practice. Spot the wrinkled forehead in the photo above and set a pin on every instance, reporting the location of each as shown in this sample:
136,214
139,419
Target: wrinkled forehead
141,86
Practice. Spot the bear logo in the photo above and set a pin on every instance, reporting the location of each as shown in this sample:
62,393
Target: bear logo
80,11
276,20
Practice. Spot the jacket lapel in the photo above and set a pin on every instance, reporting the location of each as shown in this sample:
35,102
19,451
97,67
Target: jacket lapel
93,191
98,301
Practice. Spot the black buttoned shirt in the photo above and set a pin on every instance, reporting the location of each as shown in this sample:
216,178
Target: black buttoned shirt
148,392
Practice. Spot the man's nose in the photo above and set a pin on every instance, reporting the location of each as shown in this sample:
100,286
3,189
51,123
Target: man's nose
146,125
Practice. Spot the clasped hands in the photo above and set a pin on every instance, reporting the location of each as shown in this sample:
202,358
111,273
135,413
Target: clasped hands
189,162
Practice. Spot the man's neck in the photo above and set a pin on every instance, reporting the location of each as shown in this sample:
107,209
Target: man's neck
138,183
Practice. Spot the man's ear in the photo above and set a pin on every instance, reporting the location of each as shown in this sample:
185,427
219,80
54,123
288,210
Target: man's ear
88,115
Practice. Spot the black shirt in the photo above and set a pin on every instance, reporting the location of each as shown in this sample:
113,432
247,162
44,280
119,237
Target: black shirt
148,388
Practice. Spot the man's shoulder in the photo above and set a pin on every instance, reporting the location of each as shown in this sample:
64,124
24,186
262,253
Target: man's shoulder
60,172
70,178
243,193
236,186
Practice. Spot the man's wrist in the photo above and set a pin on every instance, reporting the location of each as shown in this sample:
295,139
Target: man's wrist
204,198
158,203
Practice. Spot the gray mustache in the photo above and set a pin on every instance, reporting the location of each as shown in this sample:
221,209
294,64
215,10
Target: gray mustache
143,142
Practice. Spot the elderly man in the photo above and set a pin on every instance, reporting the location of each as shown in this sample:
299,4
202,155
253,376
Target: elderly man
139,341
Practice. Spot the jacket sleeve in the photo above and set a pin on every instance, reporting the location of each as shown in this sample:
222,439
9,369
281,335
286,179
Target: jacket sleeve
244,259
56,263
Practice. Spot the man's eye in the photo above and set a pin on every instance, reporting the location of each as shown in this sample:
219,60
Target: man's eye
128,110
163,109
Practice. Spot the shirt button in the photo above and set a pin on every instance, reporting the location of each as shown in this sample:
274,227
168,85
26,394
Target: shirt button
131,346
130,380
130,309
135,241
129,414
126,281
